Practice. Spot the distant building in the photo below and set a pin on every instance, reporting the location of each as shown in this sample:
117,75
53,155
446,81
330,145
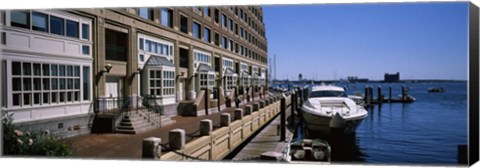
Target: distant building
355,79
300,77
392,77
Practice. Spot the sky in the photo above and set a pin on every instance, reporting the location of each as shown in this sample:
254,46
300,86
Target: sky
334,41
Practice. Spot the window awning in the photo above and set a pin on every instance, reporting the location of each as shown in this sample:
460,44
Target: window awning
245,74
204,68
229,72
158,61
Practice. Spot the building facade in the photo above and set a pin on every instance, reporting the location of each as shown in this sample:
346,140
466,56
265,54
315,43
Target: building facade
61,67
392,77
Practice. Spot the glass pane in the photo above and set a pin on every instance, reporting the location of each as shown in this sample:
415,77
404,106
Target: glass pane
53,68
160,48
16,68
17,99
76,71
158,83
72,29
46,69
159,74
147,45
39,21
85,50
37,84
77,84
27,84
54,83
46,98
46,84
20,19
152,83
69,70
26,99
54,97
61,84
56,25
61,97
36,98
61,70
27,69
85,31
17,84
166,17
140,43
77,96
152,74
159,91
152,91
154,47
69,83
86,83
69,96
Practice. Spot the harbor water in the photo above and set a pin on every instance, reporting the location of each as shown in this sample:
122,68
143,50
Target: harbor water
426,131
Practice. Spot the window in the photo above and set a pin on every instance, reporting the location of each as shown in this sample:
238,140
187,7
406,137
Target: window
183,24
3,17
236,47
236,29
230,44
224,20
162,83
183,58
20,19
72,29
157,47
56,25
85,31
230,24
116,45
167,17
206,11
140,43
217,39
224,42
217,16
86,83
141,58
146,13
241,31
33,84
206,34
39,21
4,86
196,30
85,50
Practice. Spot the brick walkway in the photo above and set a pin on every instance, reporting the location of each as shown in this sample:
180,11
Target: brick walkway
125,146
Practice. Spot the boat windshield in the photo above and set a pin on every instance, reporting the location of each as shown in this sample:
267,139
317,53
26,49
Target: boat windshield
328,93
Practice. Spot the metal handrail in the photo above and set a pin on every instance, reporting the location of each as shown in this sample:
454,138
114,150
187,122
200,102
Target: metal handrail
152,107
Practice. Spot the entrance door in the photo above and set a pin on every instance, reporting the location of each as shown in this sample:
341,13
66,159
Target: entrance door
113,92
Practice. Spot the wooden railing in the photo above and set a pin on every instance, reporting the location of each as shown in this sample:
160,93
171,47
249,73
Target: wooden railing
224,140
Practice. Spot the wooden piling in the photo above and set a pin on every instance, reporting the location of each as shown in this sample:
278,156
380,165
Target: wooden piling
390,93
403,92
282,118
379,97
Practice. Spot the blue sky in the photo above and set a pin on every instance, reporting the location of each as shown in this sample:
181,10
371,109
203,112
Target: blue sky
323,41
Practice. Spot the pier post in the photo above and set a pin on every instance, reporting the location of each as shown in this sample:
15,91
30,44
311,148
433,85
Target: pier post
248,110
390,93
403,92
238,114
225,120
379,97
366,95
151,148
206,127
371,94
292,108
282,118
176,139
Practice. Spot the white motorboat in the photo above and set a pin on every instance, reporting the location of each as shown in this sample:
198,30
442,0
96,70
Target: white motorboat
324,103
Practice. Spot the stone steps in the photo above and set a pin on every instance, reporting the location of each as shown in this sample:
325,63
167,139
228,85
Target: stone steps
137,122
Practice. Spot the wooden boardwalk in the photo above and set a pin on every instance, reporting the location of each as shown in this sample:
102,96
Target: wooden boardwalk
266,140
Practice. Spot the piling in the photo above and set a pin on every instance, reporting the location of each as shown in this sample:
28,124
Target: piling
403,92
371,94
151,148
176,139
379,97
390,92
366,95
282,118
292,108
206,127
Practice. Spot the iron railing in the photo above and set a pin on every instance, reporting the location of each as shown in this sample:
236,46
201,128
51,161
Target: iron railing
151,108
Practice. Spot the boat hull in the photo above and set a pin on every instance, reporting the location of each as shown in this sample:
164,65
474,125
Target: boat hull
319,126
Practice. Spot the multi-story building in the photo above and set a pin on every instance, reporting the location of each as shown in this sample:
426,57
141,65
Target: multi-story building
61,67
392,77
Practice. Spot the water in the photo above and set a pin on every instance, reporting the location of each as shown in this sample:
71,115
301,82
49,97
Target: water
424,132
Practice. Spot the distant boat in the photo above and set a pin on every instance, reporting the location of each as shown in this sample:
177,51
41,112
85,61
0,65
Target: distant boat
436,90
